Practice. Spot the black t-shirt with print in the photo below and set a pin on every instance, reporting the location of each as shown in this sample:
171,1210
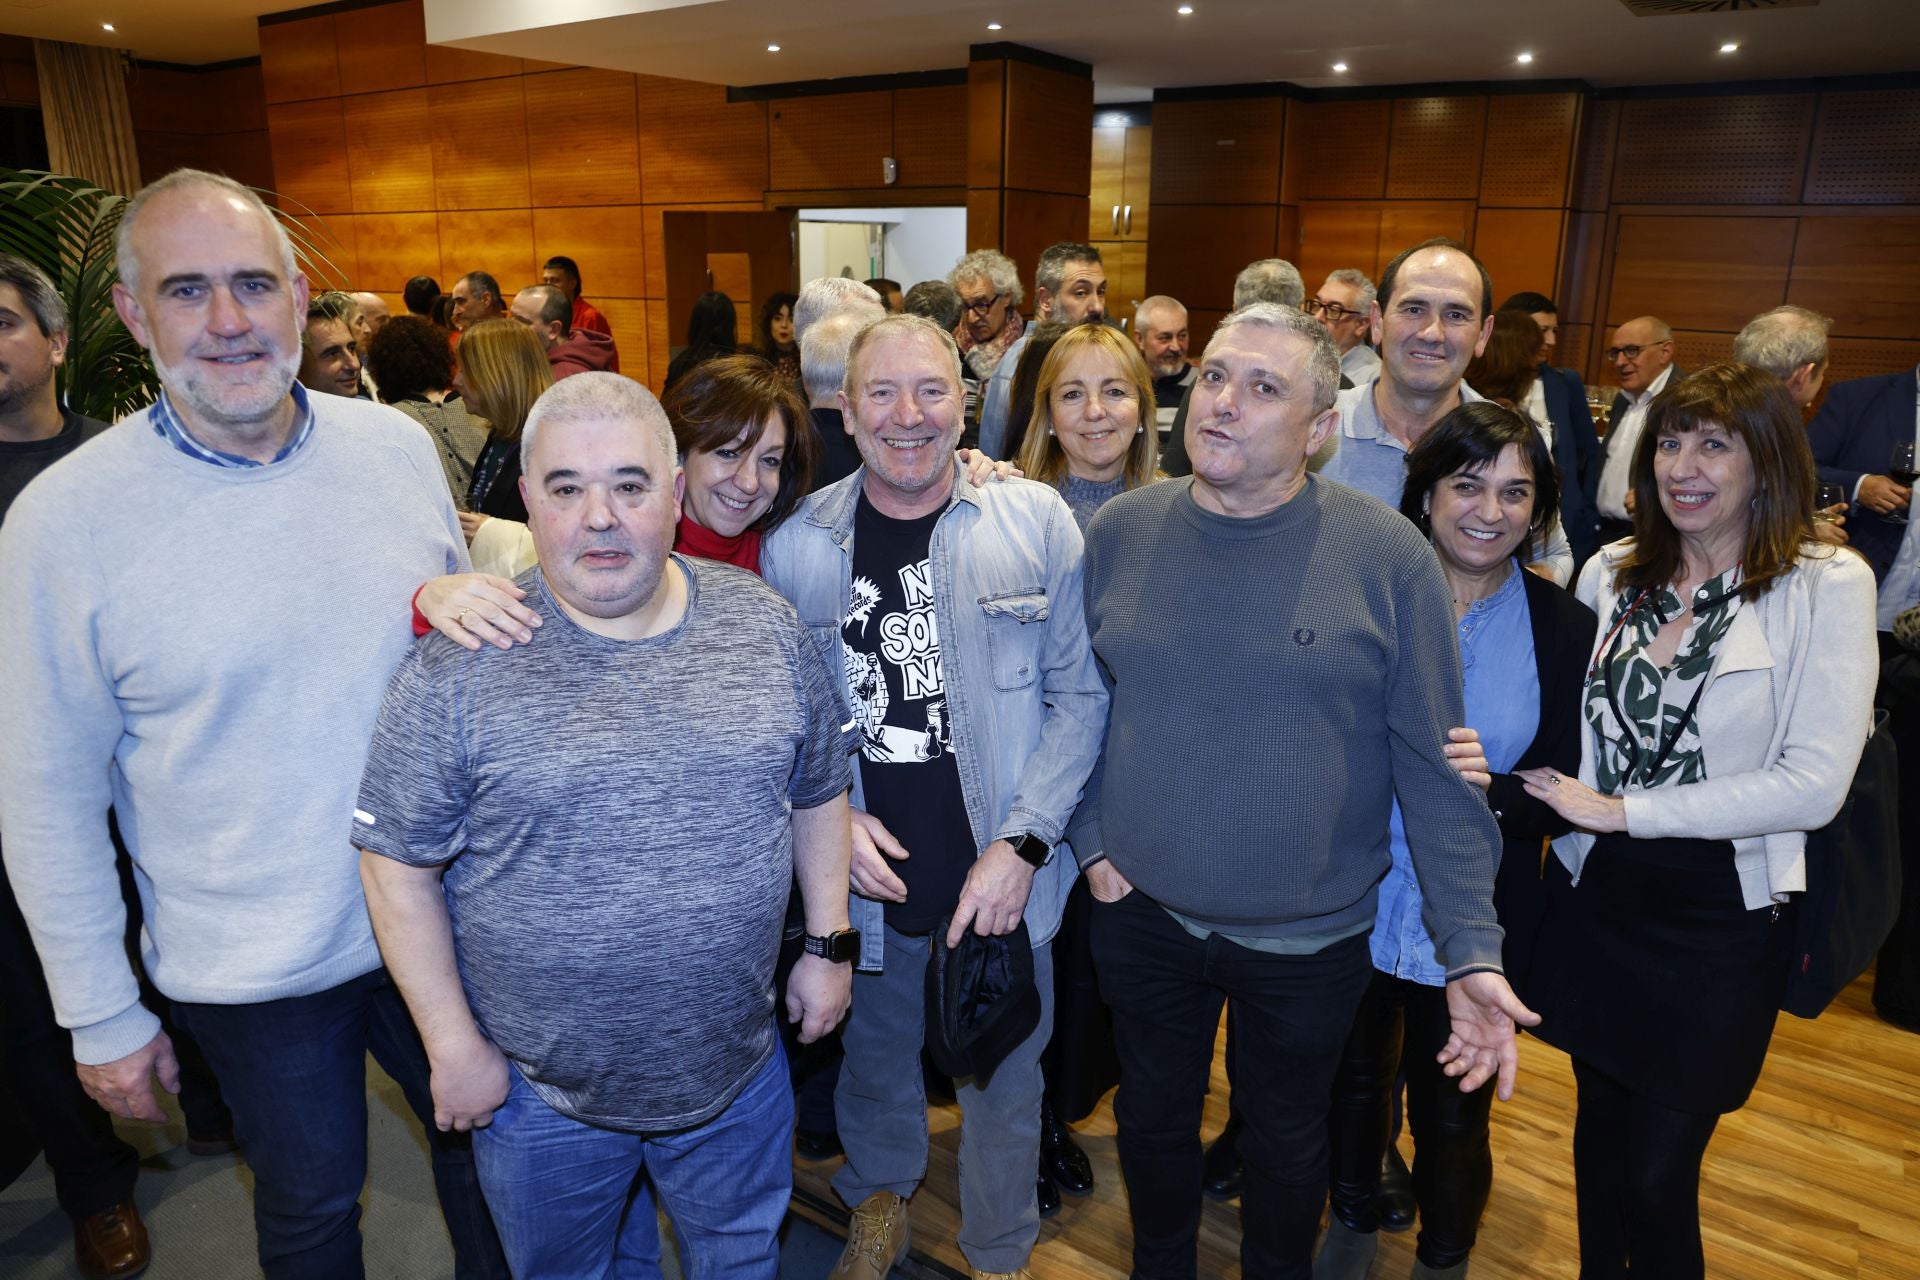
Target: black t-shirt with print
907,766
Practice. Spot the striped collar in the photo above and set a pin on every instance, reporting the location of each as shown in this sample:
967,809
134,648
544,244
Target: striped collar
167,425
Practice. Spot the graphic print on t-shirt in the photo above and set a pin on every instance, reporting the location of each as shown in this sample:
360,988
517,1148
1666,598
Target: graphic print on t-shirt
903,643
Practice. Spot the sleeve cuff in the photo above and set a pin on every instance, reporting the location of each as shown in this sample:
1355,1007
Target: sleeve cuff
1473,950
420,624
115,1038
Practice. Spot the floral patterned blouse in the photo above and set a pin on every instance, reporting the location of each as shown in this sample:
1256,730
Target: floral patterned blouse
1650,700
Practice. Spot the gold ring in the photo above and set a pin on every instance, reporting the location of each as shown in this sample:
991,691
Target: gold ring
460,619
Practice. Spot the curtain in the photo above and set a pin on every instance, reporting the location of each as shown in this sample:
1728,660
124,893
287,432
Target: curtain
83,94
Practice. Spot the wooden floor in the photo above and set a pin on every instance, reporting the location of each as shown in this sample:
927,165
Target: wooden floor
1818,1177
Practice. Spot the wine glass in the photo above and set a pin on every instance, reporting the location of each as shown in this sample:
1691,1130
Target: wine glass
1902,470
1825,498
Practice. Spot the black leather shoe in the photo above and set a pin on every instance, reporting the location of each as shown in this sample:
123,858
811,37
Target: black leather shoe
1220,1168
1394,1201
1061,1157
810,1144
1047,1195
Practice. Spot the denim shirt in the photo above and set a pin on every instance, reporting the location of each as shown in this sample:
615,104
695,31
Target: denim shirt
1027,706
1503,704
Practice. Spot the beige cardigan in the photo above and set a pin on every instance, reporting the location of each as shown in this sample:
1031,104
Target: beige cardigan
1784,717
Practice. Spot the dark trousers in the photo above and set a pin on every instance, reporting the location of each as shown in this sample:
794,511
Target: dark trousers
1291,1014
294,1072
1452,1161
1896,976
1636,1172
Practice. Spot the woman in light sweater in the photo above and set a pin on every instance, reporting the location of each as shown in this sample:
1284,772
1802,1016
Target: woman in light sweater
1727,702
1091,435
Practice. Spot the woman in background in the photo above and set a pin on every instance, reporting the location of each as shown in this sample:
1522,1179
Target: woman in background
712,331
503,370
778,345
1509,365
747,448
413,367
1091,434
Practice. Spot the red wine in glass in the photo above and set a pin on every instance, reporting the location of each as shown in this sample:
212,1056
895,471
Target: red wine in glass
1902,470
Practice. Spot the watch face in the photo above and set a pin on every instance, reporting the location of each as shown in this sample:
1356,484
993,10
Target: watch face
844,945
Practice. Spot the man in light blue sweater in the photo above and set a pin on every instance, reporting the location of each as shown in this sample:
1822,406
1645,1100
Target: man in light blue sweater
212,598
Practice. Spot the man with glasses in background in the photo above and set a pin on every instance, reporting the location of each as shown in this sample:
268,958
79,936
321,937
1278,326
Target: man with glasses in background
1641,353
1342,305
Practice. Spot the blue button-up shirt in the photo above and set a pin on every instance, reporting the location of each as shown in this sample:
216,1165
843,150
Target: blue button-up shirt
1503,704
168,426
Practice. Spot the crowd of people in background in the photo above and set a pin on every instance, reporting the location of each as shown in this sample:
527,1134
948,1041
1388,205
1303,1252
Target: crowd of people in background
924,693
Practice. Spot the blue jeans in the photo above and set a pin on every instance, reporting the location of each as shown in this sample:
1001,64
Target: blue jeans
564,1192
294,1072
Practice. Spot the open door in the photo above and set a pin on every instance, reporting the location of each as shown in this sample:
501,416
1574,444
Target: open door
747,256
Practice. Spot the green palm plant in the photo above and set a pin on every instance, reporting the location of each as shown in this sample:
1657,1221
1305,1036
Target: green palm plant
66,227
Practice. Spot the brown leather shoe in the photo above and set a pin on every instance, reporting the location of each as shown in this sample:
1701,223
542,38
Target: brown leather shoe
877,1239
113,1242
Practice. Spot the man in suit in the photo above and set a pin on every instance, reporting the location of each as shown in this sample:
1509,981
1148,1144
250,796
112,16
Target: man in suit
1641,353
1559,398
1853,437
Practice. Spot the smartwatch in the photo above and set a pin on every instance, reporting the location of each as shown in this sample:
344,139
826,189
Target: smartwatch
837,947
1032,849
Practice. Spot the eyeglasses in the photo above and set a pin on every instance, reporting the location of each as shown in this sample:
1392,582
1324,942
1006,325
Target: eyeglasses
1333,312
1629,353
983,304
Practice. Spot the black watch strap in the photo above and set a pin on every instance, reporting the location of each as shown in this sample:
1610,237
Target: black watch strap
840,946
1033,849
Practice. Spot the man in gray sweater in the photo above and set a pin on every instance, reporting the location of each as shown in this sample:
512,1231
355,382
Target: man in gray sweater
226,723
1235,832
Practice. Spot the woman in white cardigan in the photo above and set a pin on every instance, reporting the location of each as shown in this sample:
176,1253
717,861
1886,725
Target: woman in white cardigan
1726,706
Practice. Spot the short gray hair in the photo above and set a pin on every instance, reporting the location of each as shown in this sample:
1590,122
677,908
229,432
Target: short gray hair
1323,361
994,267
823,352
901,325
938,301
1051,271
821,298
1147,306
598,397
1783,340
1269,280
1356,279
37,291
180,180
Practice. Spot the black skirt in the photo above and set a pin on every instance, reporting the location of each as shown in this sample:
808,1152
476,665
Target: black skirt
1653,971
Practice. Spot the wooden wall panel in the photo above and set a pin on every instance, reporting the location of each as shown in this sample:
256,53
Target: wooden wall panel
1049,144
1693,348
1219,152
1529,150
1520,249
213,120
310,155
19,82
1200,327
480,145
1335,235
611,237
1404,223
1748,149
497,241
1574,349
299,60
659,345
983,218
247,157
986,124
1699,273
1866,148
695,145
591,154
1593,159
395,247
446,65
1435,150
336,241
654,243
382,48
1035,220
1343,151
1868,357
628,319
928,141
1579,287
1195,251
1864,272
390,151
835,140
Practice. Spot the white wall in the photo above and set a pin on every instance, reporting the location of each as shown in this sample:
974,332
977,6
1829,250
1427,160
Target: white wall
919,244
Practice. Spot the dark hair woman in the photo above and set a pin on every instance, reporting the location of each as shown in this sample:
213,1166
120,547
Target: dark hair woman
778,345
747,447
412,365
712,331
1726,705
1480,484
1507,367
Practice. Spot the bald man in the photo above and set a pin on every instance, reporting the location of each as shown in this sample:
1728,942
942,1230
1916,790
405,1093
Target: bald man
373,313
1160,331
1641,353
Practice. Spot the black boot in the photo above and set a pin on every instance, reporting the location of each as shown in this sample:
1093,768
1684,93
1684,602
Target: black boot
1046,1194
1394,1201
1220,1168
1061,1158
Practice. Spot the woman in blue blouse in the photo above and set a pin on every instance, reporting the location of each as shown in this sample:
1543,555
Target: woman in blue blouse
1480,483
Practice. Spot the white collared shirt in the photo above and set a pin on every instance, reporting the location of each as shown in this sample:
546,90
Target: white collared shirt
1622,437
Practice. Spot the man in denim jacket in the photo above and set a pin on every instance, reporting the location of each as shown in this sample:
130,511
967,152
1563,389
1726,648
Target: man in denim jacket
954,621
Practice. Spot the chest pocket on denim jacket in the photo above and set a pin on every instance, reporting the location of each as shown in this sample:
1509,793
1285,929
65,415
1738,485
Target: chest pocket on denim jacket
1016,626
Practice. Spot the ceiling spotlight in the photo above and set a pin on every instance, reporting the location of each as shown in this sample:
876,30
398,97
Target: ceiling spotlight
773,48
1339,66
1728,47
993,26
106,26
1184,10
1526,57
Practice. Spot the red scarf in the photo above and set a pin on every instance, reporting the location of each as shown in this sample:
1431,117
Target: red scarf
698,540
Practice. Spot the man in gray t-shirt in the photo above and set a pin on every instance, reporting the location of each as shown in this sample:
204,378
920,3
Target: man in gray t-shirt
578,855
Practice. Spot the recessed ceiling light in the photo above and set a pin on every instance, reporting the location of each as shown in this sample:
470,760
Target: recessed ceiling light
1526,57
1339,66
1728,47
1184,10
993,26
106,26
773,48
